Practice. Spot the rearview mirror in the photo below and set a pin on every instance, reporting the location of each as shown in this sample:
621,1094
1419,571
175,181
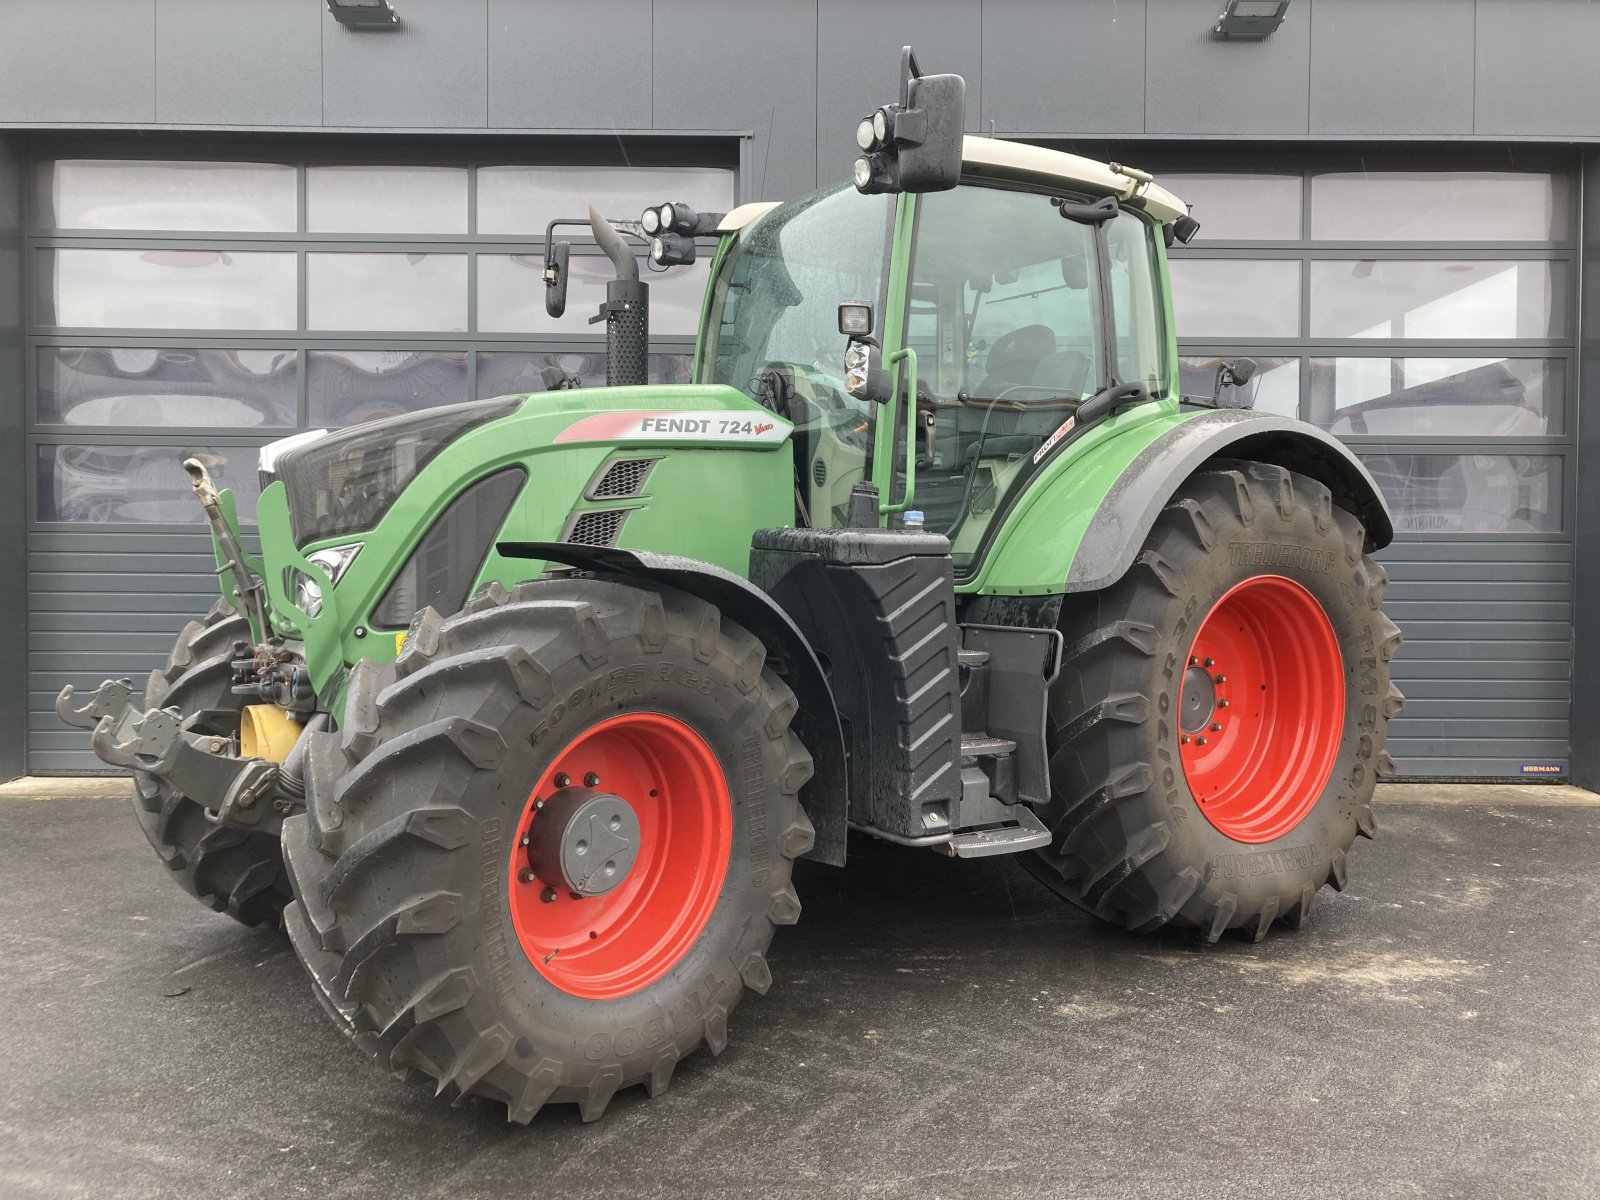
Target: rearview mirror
555,279
915,145
1235,372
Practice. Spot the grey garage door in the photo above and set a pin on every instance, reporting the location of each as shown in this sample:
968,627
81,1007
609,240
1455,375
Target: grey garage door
184,307
1426,317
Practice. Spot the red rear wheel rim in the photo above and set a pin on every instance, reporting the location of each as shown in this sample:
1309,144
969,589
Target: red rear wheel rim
1262,708
600,947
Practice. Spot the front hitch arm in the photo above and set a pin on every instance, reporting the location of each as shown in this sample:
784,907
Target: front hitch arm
246,587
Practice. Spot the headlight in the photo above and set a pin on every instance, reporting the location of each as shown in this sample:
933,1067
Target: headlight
335,560
651,221
862,174
865,135
880,127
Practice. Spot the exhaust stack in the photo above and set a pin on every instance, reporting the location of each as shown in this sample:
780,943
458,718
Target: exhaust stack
626,311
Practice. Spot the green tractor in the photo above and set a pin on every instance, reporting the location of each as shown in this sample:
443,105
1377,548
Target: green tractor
528,706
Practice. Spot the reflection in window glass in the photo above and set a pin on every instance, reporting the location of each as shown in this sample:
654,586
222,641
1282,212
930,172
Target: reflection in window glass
1241,208
1275,387
142,484
1141,344
1470,493
167,289
387,292
151,388
511,294
1450,206
1389,298
1235,298
202,196
1439,397
523,200
363,199
346,387
511,373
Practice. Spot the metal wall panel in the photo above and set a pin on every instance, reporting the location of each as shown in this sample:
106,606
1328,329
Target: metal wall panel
860,66
558,67
430,73
1420,66
13,506
239,63
1536,68
1067,68
1195,83
744,65
78,60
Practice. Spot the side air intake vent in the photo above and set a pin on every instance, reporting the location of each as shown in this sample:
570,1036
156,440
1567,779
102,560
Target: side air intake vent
596,528
621,479
819,472
441,570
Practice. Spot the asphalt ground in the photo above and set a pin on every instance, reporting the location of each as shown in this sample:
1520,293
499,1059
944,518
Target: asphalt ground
936,1029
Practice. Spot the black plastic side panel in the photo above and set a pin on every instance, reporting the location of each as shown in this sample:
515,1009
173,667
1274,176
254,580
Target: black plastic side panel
826,797
879,606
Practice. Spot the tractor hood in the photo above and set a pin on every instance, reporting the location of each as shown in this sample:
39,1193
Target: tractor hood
362,528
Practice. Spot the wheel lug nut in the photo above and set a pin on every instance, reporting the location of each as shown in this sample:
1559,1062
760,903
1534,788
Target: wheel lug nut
1221,678
1193,661
575,895
591,780
548,895
1210,662
1184,739
524,876
526,839
1215,728
1222,704
1200,741
562,779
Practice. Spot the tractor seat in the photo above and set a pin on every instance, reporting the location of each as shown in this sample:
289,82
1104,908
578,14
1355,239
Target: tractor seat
1015,358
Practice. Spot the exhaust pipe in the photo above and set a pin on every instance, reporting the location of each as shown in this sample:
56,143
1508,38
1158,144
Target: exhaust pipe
626,310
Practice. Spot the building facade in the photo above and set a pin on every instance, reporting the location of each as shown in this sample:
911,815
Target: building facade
225,220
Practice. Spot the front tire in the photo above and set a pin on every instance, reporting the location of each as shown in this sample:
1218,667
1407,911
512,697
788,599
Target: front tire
233,871
431,938
1218,726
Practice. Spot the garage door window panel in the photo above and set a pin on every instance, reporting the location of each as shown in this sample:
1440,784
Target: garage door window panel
346,387
1470,493
1241,208
1236,297
101,484
146,387
1443,398
1438,299
1275,387
511,294
521,200
193,196
387,293
386,200
160,288
1439,206
512,372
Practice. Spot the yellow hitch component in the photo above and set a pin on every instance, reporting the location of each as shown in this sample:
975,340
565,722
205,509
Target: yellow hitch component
265,731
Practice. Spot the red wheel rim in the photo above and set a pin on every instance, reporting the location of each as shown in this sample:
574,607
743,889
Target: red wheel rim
1262,708
600,947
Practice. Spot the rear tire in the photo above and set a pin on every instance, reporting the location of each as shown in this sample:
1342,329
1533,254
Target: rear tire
426,935
1157,816
231,871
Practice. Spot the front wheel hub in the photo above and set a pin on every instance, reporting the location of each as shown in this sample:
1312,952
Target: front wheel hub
583,840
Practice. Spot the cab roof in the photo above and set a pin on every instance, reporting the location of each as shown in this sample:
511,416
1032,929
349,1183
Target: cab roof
998,158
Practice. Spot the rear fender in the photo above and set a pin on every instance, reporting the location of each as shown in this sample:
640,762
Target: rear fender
826,797
1084,529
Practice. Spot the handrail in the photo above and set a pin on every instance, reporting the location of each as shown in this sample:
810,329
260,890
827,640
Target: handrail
893,360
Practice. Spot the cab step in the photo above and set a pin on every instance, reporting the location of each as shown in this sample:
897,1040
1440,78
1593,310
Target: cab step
1027,833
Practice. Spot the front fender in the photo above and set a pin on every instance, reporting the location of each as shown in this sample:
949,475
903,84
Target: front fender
1084,528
